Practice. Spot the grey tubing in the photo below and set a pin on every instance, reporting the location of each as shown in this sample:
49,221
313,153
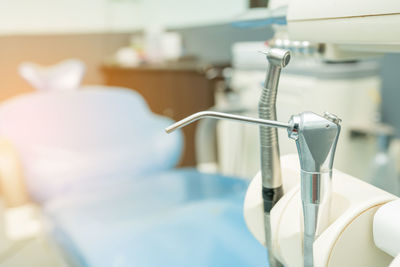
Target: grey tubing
270,156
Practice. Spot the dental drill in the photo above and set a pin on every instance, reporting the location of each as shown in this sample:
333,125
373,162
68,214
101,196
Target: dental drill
316,138
272,189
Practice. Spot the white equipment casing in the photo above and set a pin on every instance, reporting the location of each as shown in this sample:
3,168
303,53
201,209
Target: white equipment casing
362,25
354,204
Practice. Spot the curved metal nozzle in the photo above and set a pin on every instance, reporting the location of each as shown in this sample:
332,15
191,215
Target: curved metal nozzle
221,115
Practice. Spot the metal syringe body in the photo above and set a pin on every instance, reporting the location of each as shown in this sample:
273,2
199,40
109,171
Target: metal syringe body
316,139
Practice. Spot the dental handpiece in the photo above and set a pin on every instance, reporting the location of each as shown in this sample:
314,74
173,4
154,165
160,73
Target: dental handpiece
316,139
270,164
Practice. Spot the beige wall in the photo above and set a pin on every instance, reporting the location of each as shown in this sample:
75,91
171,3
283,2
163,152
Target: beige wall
99,16
50,49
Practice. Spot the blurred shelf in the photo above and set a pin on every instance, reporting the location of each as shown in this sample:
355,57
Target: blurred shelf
172,90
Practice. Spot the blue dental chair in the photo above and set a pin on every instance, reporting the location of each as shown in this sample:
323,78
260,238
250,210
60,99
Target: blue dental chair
101,166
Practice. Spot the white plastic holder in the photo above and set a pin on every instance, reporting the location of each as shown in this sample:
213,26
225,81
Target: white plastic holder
386,230
347,241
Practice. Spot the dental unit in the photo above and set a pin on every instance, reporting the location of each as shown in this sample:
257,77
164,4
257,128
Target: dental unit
329,234
316,139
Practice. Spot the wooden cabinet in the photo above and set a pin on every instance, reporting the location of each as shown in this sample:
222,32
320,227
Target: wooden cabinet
173,91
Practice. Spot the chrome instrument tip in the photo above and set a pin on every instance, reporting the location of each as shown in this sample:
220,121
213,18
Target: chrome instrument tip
277,56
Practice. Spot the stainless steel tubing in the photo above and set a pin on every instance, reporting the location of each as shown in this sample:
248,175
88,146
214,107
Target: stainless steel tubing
227,116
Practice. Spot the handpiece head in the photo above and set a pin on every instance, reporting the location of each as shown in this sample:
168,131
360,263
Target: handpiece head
316,139
277,57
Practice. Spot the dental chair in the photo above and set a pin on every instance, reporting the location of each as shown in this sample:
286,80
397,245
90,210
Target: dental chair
100,166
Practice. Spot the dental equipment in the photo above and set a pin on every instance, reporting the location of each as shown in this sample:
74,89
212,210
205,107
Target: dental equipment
272,189
316,138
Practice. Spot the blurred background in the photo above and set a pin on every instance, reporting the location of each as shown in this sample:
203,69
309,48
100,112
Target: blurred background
170,58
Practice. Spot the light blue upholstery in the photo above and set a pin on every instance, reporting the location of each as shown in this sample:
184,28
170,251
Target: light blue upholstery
102,166
173,218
